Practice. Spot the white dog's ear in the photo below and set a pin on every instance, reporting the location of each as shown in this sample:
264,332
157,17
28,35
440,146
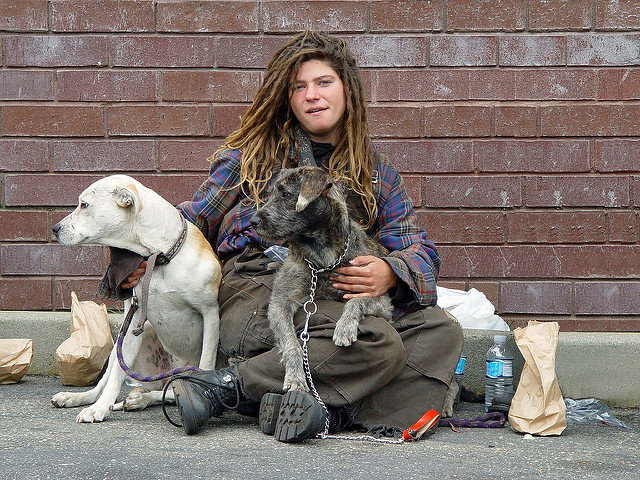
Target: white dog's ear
127,197
314,183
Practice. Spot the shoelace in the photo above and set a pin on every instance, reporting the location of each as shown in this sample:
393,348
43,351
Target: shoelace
211,392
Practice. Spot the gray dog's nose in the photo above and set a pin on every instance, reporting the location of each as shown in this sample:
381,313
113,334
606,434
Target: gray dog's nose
254,220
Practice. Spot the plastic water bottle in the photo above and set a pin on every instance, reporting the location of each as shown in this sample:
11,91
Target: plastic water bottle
461,364
499,374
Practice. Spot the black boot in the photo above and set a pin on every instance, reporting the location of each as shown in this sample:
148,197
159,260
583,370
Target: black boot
203,394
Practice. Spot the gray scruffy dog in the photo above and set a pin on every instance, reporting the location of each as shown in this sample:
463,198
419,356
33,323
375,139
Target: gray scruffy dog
309,211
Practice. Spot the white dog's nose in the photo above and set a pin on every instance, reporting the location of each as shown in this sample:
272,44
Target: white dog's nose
56,228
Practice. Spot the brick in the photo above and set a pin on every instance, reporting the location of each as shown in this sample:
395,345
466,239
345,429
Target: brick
24,226
483,15
296,16
388,51
618,84
457,121
166,51
406,16
247,52
602,298
107,86
23,156
516,121
452,228
102,16
210,86
471,192
547,15
85,288
56,51
635,186
617,155
186,155
413,185
45,189
550,298
557,227
208,16
52,121
590,120
577,191
51,259
618,15
226,118
539,261
556,84
532,155
394,121
624,227
532,51
463,51
492,84
26,85
174,188
103,155
166,120
23,15
429,156
603,49
25,294
422,85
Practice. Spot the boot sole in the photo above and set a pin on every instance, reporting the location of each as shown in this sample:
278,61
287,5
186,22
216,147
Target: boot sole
300,417
188,421
269,409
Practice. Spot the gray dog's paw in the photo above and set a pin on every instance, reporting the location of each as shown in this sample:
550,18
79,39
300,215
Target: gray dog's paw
345,335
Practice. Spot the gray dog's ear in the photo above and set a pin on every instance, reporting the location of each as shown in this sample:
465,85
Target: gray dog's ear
314,183
127,197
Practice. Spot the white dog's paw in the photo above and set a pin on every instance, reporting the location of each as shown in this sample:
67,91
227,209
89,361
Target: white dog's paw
137,399
92,414
66,400
345,334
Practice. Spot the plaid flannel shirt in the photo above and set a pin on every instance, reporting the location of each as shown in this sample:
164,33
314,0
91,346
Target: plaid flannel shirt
222,212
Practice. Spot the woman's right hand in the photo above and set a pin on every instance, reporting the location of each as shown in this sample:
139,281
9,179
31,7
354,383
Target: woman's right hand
133,278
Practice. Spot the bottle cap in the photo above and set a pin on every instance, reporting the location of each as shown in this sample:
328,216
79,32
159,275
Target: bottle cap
500,338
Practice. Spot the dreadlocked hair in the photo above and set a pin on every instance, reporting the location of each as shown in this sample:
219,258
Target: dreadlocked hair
268,125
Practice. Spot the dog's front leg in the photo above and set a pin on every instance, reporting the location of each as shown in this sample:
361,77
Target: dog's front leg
346,330
280,314
102,407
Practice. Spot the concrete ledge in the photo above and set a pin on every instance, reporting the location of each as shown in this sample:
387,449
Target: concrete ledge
600,365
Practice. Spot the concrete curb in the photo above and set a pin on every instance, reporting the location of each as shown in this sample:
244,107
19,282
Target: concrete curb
599,365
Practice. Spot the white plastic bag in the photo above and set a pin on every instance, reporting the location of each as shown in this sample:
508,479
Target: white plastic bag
472,309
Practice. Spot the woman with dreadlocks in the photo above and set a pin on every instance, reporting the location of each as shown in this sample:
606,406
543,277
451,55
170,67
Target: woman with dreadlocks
311,110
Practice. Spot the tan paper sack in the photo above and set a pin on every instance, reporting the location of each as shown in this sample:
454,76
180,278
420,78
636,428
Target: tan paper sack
15,358
82,357
537,406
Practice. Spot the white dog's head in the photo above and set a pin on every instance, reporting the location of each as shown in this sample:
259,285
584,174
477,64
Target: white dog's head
104,214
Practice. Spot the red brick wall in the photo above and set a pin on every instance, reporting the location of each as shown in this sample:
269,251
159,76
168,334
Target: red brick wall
515,123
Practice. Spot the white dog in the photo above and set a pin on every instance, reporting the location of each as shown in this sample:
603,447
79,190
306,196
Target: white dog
182,315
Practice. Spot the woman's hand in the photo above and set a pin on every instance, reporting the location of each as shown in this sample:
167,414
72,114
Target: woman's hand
368,276
133,278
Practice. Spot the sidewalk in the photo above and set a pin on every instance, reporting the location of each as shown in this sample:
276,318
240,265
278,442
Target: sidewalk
39,441
605,366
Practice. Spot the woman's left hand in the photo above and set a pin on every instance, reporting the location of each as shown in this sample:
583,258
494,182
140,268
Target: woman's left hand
368,276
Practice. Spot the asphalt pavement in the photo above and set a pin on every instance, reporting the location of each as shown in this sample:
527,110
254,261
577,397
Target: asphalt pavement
39,441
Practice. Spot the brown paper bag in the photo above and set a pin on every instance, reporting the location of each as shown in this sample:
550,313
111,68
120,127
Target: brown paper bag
15,358
537,406
82,357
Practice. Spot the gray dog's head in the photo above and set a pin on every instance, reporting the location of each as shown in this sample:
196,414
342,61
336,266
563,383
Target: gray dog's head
300,200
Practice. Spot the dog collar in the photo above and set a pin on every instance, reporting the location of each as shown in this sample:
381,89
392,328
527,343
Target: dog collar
164,258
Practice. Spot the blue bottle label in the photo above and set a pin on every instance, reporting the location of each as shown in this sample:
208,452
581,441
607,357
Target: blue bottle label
461,363
495,368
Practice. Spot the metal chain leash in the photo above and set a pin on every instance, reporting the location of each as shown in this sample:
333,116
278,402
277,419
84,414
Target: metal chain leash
310,308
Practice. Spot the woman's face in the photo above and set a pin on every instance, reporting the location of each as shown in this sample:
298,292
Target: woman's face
318,101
